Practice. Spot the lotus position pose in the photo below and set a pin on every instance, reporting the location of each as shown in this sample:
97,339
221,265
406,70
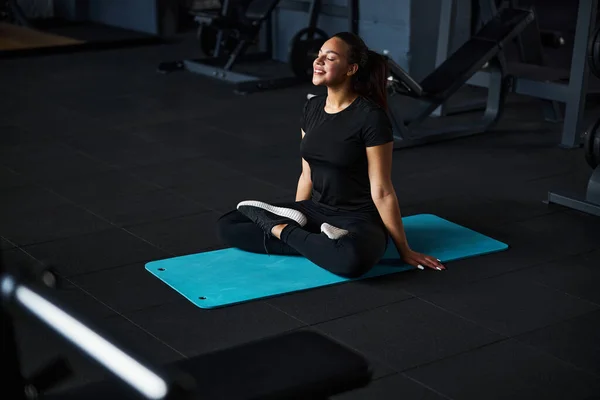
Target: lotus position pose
346,207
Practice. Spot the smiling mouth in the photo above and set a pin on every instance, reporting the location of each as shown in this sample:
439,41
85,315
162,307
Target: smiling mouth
319,72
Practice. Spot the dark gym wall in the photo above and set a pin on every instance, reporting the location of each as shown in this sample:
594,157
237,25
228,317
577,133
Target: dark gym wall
425,29
137,15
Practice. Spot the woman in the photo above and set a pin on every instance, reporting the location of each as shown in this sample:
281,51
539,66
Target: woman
345,205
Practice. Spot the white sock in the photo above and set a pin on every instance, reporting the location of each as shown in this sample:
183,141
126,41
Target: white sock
332,232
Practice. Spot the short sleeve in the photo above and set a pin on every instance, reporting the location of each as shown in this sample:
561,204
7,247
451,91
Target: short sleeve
377,129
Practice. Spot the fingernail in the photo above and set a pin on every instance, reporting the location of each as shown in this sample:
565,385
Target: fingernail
420,267
438,268
439,260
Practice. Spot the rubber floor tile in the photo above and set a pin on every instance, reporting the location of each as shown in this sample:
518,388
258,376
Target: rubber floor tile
506,370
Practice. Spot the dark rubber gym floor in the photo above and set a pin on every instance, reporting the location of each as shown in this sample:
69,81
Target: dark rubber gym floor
106,165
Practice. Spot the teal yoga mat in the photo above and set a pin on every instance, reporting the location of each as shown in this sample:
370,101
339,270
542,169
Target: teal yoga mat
225,277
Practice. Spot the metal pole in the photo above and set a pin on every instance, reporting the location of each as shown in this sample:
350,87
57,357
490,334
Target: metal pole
446,30
578,79
353,16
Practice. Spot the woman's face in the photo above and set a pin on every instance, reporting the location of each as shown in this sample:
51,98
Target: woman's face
331,67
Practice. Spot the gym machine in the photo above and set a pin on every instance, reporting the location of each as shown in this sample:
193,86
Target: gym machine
299,364
306,43
412,103
234,28
225,36
530,46
532,79
590,203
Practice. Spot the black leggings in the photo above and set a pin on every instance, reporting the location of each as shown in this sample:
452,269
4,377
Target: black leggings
350,256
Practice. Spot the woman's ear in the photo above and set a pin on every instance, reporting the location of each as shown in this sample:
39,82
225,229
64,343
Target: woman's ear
352,69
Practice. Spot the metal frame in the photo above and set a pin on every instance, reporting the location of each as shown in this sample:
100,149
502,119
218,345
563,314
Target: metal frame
445,34
245,83
444,42
574,93
589,204
409,109
411,133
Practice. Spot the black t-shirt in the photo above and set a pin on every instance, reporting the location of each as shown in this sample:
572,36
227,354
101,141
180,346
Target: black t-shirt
335,145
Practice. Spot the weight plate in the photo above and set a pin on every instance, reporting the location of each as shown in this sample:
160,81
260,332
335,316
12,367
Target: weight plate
591,144
304,48
594,52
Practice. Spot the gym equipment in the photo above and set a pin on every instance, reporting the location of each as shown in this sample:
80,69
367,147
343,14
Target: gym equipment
529,46
300,364
225,35
305,45
591,202
533,79
411,102
234,35
594,52
210,35
303,51
297,365
591,144
229,276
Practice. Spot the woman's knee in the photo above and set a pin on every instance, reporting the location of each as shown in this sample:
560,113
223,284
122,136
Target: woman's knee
227,225
358,258
352,263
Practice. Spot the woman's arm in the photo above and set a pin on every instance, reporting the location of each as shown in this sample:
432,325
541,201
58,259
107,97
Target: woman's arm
386,201
304,191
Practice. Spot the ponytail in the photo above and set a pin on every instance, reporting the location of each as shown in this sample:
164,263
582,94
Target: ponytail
370,80
372,83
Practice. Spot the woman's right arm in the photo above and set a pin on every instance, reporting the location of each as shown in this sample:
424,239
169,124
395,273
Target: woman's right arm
304,190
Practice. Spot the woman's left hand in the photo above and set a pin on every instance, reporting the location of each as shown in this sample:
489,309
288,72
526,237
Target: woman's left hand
421,260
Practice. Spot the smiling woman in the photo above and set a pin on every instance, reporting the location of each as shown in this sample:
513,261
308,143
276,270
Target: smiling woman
345,56
346,208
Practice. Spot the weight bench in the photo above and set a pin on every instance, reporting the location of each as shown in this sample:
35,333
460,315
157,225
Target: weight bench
244,30
300,364
411,103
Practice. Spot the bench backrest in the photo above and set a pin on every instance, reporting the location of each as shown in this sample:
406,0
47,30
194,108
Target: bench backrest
476,52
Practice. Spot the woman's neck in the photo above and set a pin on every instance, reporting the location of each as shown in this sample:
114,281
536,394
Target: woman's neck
339,99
